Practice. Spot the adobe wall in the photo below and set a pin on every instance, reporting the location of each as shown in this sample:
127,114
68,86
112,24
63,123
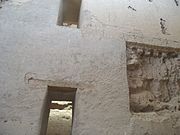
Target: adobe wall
35,53
147,19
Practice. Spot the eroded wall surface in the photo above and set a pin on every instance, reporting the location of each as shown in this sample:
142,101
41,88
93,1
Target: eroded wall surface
154,78
36,53
154,89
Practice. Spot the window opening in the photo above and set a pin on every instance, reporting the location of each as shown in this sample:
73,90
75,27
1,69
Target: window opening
69,11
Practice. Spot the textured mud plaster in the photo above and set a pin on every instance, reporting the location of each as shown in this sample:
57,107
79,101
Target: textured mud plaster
31,41
113,16
154,86
154,78
96,67
12,2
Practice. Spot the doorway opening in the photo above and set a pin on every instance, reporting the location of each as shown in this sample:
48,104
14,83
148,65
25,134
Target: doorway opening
58,111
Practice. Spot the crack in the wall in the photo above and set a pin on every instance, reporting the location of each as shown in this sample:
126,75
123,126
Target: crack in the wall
41,80
130,7
176,2
163,26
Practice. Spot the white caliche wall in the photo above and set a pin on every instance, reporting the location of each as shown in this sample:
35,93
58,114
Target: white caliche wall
35,52
33,47
143,21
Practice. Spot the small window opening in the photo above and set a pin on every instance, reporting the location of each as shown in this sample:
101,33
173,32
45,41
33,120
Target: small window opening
58,111
69,11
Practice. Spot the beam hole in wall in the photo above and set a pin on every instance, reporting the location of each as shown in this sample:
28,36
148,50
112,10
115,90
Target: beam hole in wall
153,77
58,111
69,12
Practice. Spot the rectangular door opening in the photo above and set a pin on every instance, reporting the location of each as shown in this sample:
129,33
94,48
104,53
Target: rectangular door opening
58,111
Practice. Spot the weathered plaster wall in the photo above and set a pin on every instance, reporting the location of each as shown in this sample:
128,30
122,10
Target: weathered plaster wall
35,52
141,18
153,78
31,42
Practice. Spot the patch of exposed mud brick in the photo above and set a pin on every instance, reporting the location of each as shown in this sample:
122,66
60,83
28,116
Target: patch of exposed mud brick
153,78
